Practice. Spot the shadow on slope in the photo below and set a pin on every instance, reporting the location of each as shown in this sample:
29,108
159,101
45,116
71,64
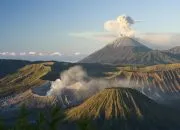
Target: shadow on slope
11,66
93,70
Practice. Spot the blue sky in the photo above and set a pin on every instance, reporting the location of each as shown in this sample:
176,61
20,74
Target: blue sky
47,25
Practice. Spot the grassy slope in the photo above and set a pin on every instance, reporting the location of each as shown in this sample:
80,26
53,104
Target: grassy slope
24,78
37,73
124,108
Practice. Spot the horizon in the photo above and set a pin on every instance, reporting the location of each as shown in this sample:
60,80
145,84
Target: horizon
71,30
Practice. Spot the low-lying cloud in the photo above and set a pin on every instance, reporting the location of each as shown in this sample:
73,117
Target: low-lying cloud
152,40
122,26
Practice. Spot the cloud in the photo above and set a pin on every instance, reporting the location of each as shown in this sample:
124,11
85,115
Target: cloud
160,40
77,53
12,53
22,53
121,26
153,40
56,54
3,53
41,54
8,53
97,36
32,53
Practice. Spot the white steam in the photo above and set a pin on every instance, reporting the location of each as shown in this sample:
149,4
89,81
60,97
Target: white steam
75,85
121,26
76,79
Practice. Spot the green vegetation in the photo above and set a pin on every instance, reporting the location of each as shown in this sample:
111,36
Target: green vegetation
22,121
46,120
2,127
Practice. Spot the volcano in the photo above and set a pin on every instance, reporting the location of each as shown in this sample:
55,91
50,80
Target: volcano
126,50
126,109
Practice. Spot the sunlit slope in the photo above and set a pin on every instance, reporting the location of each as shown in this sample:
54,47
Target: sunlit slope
28,99
159,81
24,78
126,109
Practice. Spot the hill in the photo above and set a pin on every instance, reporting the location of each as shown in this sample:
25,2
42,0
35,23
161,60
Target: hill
159,82
27,98
11,66
24,78
174,50
125,109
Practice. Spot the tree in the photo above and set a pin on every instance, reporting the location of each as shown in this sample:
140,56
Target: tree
2,127
53,118
22,121
85,125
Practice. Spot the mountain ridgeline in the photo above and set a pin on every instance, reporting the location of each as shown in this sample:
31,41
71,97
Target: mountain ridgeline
127,50
160,82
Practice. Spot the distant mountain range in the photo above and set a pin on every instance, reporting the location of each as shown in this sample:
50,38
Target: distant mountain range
127,50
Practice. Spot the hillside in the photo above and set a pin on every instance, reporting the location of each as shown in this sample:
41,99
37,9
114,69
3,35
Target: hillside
125,109
28,99
174,50
158,82
25,78
11,66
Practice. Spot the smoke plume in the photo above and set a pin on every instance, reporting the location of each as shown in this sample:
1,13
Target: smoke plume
74,85
121,26
75,78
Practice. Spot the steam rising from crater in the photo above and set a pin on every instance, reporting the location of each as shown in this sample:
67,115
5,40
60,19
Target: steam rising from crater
75,84
76,79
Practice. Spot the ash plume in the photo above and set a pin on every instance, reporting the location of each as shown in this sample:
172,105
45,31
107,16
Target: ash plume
121,26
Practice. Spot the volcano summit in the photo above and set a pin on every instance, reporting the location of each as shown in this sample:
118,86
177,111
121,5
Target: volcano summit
124,108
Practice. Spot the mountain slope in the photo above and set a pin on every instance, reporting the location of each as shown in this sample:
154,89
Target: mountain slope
156,57
122,50
27,98
11,66
126,109
174,50
126,50
25,78
158,82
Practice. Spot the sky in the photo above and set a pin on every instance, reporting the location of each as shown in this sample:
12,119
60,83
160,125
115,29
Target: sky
77,26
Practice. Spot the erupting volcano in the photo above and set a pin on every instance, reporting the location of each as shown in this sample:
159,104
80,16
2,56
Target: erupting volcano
126,50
